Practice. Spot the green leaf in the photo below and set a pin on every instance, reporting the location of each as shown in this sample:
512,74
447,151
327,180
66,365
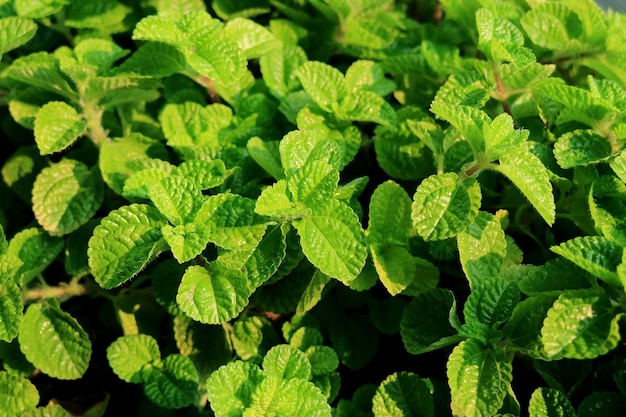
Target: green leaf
252,337
219,59
389,214
17,394
323,83
301,147
288,397
278,68
175,385
366,106
253,39
482,248
266,154
54,342
212,296
405,394
36,249
607,403
529,175
333,240
313,292
15,31
548,402
57,126
41,70
230,388
488,306
286,362
153,59
443,206
370,76
186,240
124,242
230,221
11,306
426,322
107,13
553,277
65,196
523,330
594,254
177,198
312,184
501,137
581,324
395,266
323,359
581,147
38,8
274,202
479,378
553,26
131,356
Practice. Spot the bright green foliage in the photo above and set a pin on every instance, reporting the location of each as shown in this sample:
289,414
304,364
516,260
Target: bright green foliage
54,341
443,206
131,356
57,126
17,394
479,377
581,324
550,403
250,201
403,393
65,196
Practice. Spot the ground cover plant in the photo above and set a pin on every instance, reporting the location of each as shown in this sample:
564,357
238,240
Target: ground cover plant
312,208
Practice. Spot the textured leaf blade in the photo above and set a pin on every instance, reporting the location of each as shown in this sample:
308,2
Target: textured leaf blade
15,31
389,214
125,241
219,59
289,397
366,106
581,147
53,341
581,324
286,362
35,248
529,175
154,59
333,240
204,174
57,126
595,254
479,378
403,393
548,402
523,330
313,183
425,324
442,206
177,198
65,196
231,386
482,248
18,394
186,240
175,384
11,306
395,266
253,39
323,83
129,355
212,296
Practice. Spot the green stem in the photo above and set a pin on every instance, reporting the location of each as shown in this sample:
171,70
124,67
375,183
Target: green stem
63,292
93,114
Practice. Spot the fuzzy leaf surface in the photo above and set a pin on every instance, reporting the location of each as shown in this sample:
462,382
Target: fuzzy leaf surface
333,240
442,207
125,241
403,393
65,196
35,248
53,341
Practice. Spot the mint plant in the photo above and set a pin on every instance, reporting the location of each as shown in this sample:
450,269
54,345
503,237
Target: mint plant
323,208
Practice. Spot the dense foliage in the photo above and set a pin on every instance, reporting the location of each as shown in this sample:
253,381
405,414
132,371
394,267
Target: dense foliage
312,208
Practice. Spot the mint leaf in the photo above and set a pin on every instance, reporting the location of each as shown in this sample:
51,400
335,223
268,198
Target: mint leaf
286,362
333,240
41,70
275,202
230,221
581,324
252,337
15,31
323,83
278,68
186,240
501,137
11,306
47,411
366,106
125,241
65,196
289,397
36,249
175,384
312,183
395,266
54,342
57,126
18,394
266,154
131,356
581,147
177,198
426,322
253,39
212,296
529,175
389,215
595,254
230,388
403,393
482,248
548,402
443,206
479,378
564,35
370,76
523,330
323,359
153,59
